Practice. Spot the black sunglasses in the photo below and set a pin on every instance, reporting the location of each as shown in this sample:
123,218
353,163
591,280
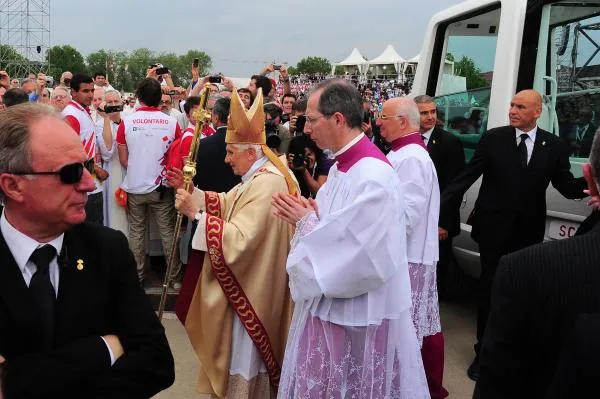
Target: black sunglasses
68,174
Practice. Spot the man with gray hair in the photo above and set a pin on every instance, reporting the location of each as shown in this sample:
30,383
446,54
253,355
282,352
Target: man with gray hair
448,156
74,321
399,125
109,119
60,98
538,295
241,350
352,333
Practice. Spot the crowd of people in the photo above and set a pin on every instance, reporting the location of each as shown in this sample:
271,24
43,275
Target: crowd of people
319,229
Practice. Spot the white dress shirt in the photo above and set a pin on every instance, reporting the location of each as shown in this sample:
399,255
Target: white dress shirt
426,135
22,247
529,143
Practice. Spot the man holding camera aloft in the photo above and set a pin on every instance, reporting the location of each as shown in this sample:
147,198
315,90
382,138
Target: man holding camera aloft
109,119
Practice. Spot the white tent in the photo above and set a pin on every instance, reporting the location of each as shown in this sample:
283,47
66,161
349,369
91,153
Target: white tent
410,66
355,59
389,56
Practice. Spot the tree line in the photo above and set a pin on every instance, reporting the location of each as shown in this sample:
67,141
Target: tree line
125,69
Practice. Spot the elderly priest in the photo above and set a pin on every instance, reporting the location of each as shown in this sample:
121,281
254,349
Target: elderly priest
241,309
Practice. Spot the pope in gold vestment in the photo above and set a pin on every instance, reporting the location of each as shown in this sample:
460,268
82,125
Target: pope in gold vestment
241,309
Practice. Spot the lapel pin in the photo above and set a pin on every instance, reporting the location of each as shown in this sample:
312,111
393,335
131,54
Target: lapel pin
79,264
433,141
543,143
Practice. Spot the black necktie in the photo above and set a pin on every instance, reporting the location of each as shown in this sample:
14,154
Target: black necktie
424,139
42,290
523,150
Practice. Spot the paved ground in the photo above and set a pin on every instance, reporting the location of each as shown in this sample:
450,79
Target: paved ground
458,322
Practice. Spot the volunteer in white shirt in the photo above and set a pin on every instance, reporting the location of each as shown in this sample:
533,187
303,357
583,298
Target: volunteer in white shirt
143,139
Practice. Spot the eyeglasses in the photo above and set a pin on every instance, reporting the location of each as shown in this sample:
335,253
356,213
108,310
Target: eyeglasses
386,117
68,174
314,119
59,97
166,102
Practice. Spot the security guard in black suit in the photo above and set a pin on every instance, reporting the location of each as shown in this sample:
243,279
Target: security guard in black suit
517,162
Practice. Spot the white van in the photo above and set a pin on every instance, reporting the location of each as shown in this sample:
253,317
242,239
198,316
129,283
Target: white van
552,46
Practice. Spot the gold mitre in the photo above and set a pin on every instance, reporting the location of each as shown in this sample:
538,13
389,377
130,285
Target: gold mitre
246,127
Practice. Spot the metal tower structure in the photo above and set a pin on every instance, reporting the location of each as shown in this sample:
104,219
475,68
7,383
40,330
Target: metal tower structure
24,36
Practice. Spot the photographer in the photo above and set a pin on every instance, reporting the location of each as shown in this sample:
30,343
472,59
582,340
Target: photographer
287,103
278,137
109,118
297,118
309,164
284,77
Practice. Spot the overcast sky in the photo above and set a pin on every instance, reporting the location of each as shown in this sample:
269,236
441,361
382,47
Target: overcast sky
242,36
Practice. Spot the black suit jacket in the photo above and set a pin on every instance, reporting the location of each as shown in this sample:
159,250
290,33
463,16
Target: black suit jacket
103,298
512,200
577,374
448,156
537,296
212,173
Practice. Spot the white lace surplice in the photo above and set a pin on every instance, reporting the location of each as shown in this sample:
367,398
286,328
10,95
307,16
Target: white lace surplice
425,305
421,194
352,334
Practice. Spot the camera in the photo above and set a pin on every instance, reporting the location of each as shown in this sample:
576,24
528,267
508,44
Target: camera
273,139
299,160
276,67
300,122
215,79
161,69
110,109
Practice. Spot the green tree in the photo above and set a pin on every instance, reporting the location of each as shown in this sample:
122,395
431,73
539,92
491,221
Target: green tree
292,70
450,57
137,64
10,60
339,70
183,75
314,65
119,77
96,62
64,58
466,67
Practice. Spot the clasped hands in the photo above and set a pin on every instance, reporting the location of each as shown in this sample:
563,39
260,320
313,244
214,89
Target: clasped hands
291,208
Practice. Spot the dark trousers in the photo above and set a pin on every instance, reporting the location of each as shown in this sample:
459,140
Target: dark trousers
489,258
94,208
445,256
